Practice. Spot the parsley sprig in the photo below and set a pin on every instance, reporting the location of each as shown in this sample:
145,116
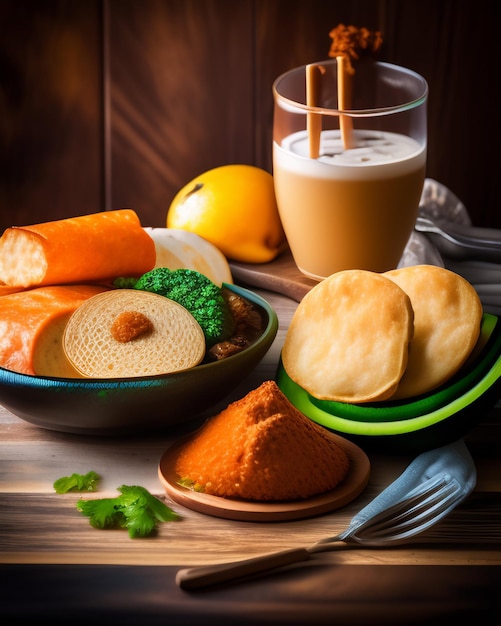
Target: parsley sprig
77,482
135,510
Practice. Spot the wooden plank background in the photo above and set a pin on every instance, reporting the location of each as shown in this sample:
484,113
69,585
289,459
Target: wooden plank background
118,103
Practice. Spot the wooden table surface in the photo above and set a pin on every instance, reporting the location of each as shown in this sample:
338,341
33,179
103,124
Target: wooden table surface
43,537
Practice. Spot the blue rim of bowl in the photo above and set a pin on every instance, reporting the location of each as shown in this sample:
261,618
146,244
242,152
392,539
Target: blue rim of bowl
16,378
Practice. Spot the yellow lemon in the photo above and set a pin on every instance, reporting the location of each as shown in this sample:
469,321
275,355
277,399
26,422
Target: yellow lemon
233,207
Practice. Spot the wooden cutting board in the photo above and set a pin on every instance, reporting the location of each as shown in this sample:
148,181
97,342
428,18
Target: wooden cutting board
280,276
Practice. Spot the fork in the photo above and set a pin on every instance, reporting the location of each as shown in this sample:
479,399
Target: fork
431,486
462,242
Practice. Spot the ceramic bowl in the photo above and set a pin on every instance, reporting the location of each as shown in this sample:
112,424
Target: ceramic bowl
133,405
419,424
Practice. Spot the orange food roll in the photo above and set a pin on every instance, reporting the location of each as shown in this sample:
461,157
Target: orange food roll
32,323
89,248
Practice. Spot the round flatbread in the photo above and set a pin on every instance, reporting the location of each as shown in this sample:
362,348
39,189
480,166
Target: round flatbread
447,319
348,339
126,333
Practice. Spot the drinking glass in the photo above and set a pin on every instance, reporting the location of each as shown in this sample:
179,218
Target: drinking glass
348,179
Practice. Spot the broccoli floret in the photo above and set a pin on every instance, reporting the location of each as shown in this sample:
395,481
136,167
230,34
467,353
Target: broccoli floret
198,294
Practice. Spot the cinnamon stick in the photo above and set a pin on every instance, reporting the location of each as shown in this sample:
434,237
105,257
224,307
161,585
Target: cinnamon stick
344,88
313,120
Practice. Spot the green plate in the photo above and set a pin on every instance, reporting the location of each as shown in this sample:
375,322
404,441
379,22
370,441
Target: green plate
424,423
485,353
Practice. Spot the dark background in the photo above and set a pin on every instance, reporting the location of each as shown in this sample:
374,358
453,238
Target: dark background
107,104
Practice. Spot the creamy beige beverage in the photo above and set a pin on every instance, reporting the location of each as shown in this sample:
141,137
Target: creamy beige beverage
348,209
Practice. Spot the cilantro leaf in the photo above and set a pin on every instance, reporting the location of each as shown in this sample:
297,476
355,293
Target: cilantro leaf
135,510
156,507
103,513
77,482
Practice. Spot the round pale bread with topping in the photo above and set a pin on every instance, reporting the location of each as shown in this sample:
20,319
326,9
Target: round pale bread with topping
127,333
447,319
348,338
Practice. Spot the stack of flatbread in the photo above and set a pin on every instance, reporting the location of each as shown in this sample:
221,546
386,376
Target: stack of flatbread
359,336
